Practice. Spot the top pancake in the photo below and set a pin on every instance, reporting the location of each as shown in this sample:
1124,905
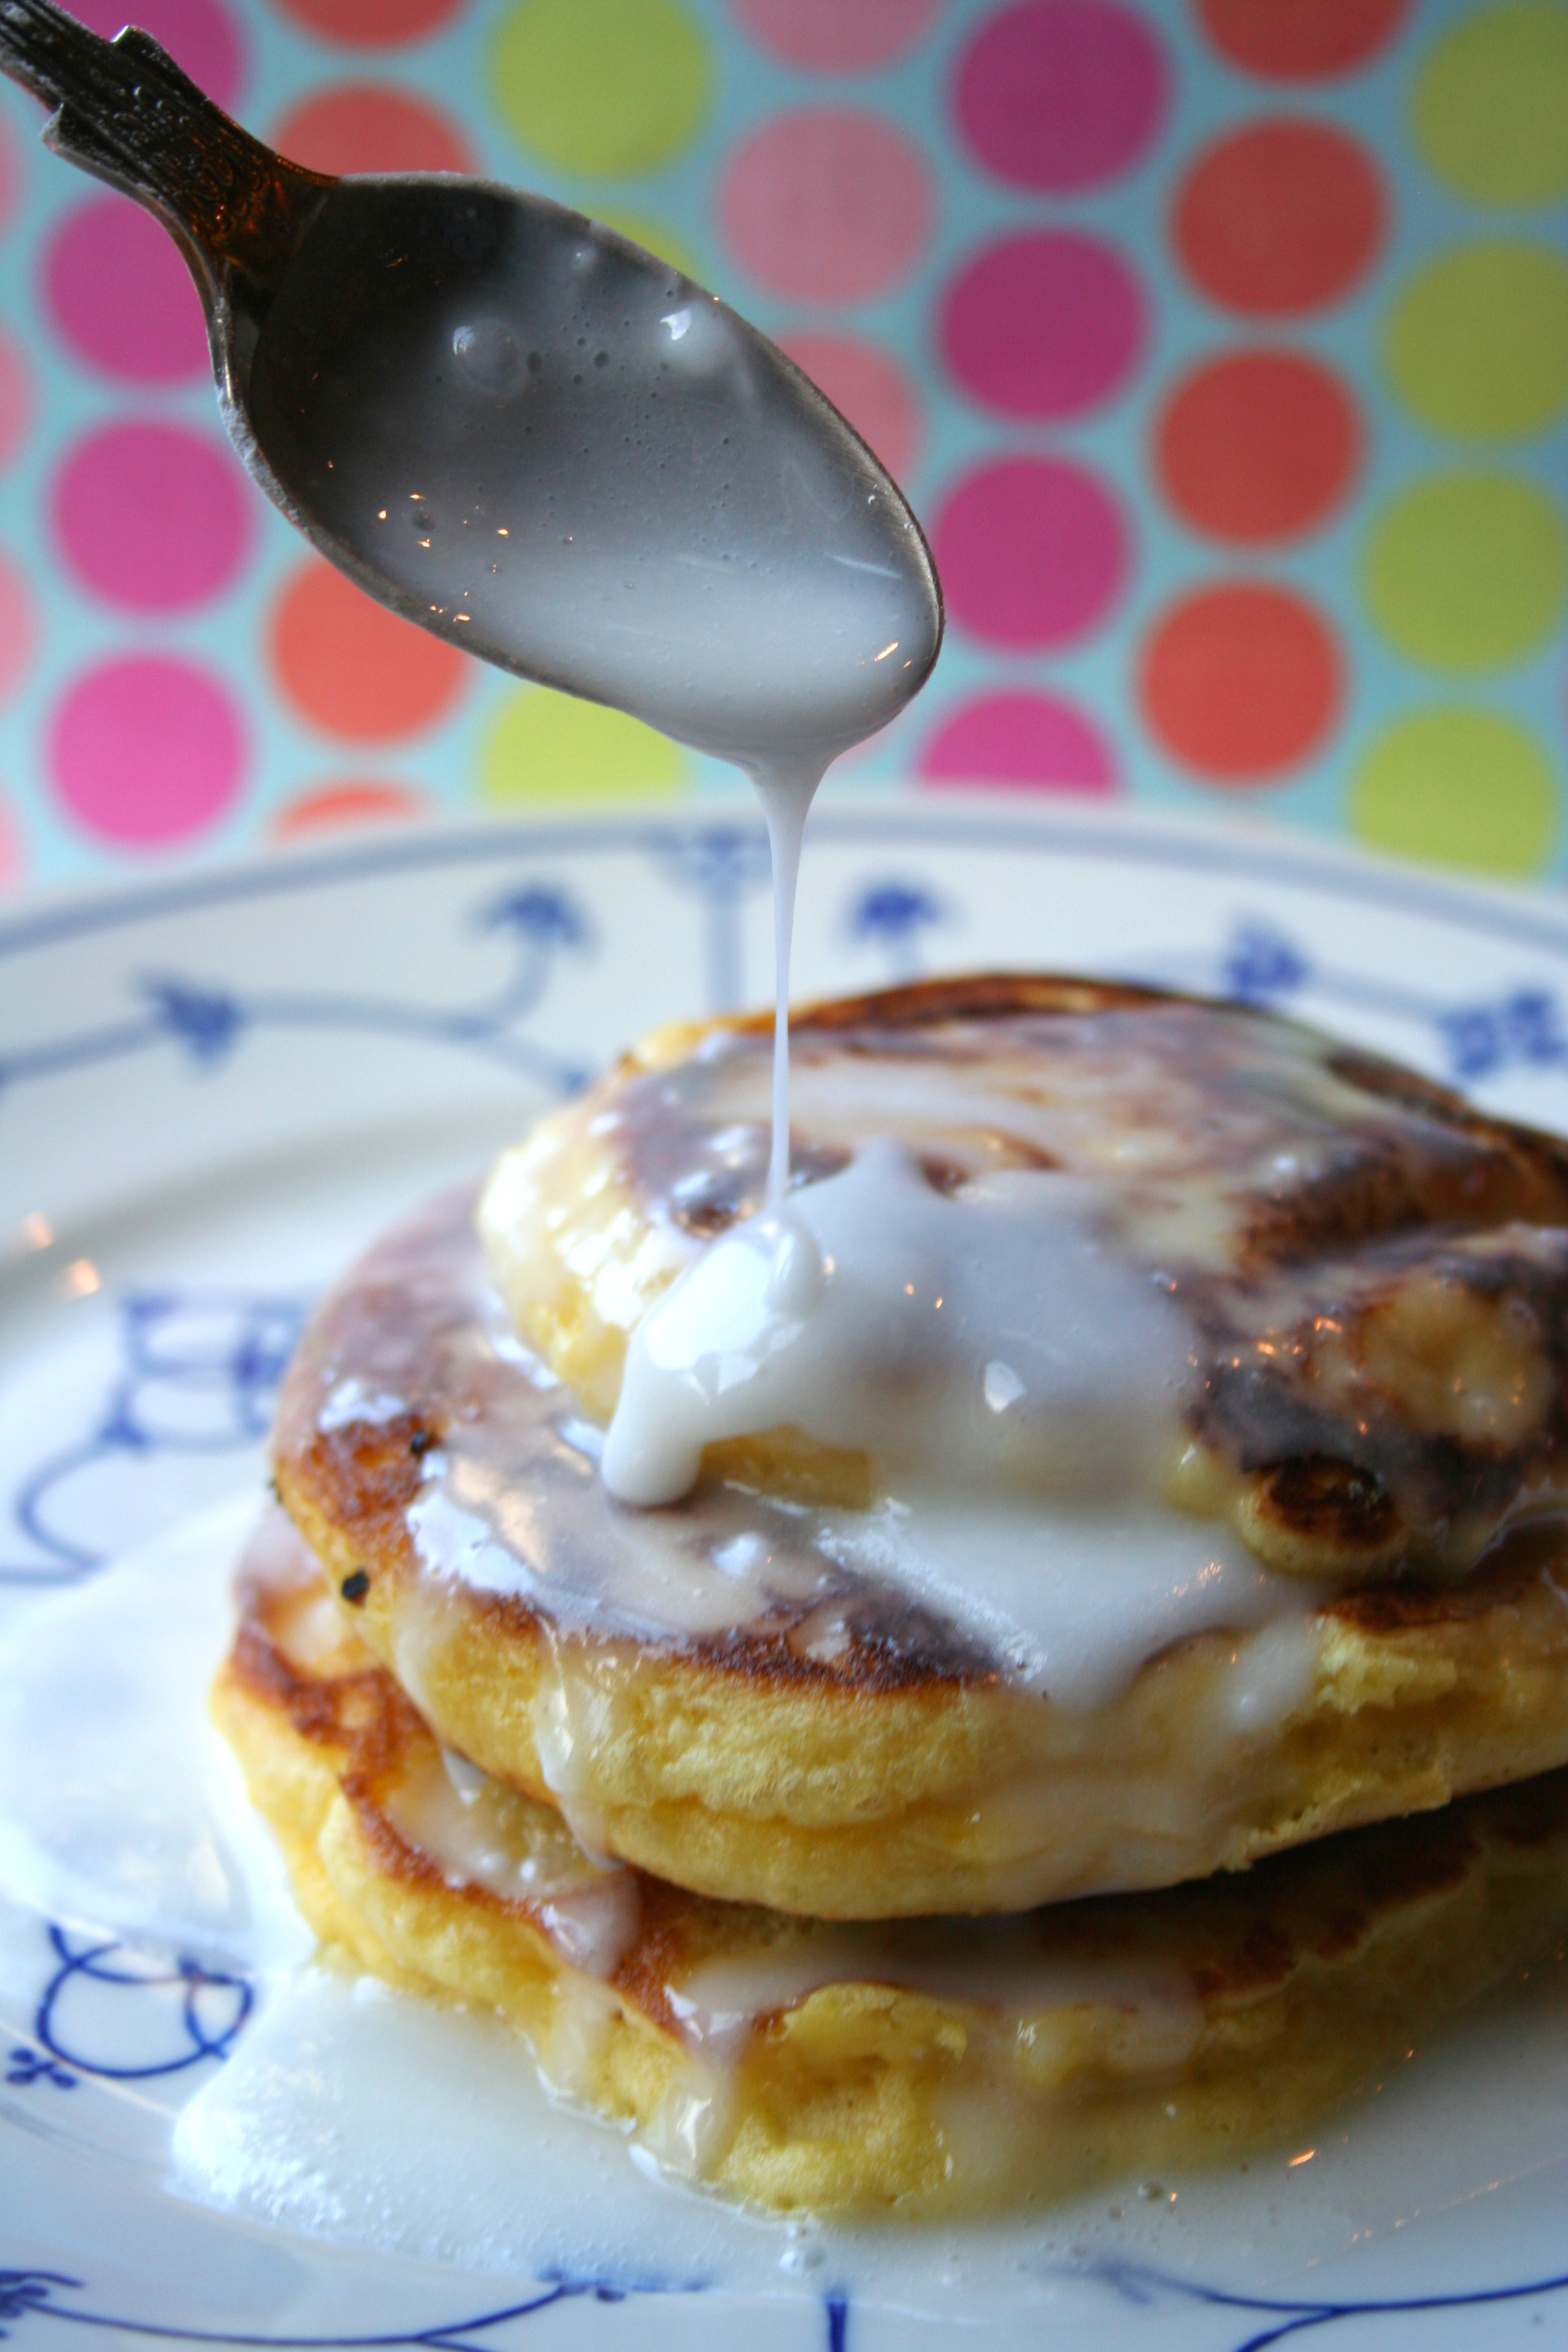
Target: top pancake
1379,1274
728,1695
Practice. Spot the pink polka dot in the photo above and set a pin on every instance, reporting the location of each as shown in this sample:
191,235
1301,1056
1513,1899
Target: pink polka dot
826,205
199,34
865,384
121,297
15,400
146,750
18,628
1031,552
153,517
1032,741
1061,94
1043,325
835,35
11,855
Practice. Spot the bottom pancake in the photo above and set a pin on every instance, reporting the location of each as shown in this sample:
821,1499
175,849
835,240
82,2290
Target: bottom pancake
931,2066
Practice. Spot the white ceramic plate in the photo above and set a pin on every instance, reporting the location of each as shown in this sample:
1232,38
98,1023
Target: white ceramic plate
211,1090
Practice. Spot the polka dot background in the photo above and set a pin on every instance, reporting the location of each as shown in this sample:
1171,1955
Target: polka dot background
1222,346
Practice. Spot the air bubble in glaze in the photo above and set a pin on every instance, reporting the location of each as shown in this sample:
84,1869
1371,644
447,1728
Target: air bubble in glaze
490,356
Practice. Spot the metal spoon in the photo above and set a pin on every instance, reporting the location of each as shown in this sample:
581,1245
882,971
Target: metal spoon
517,429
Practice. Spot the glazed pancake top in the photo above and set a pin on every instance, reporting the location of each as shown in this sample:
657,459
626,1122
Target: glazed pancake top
1148,1242
936,2064
416,1425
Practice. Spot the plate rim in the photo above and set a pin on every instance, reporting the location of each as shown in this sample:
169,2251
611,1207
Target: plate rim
1522,912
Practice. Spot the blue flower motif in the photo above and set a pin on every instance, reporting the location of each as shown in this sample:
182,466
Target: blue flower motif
892,910
1533,1021
26,2066
1524,1027
206,1020
721,863
1261,964
1473,1036
25,2291
544,916
891,915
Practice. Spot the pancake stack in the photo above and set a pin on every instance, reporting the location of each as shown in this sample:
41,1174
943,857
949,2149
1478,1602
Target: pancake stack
808,1869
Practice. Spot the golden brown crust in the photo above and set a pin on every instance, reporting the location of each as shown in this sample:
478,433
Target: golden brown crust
1264,1999
954,1793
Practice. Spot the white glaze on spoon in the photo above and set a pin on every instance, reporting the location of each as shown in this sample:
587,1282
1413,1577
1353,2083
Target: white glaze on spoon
512,414
570,458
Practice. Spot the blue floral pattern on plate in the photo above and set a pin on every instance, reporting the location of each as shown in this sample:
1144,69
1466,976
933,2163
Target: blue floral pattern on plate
196,1369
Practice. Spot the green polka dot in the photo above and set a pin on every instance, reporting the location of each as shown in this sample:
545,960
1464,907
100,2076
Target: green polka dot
610,85
1477,340
1467,571
1492,104
654,237
544,746
1459,787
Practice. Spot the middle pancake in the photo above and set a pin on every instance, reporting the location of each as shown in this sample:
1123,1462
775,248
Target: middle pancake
756,1695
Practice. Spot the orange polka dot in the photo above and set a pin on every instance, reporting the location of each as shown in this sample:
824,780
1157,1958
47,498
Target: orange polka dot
1301,40
370,23
1280,217
1240,682
332,806
355,669
1256,446
357,127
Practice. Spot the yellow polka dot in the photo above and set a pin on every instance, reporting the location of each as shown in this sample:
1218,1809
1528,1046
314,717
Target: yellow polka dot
1459,787
544,746
1492,104
654,237
1467,571
611,86
1477,340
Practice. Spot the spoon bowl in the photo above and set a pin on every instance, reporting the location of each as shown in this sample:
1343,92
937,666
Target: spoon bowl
517,429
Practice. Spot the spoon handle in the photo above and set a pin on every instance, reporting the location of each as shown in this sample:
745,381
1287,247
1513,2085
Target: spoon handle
125,112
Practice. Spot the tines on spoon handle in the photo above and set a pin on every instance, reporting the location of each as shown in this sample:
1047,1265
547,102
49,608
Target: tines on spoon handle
125,112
